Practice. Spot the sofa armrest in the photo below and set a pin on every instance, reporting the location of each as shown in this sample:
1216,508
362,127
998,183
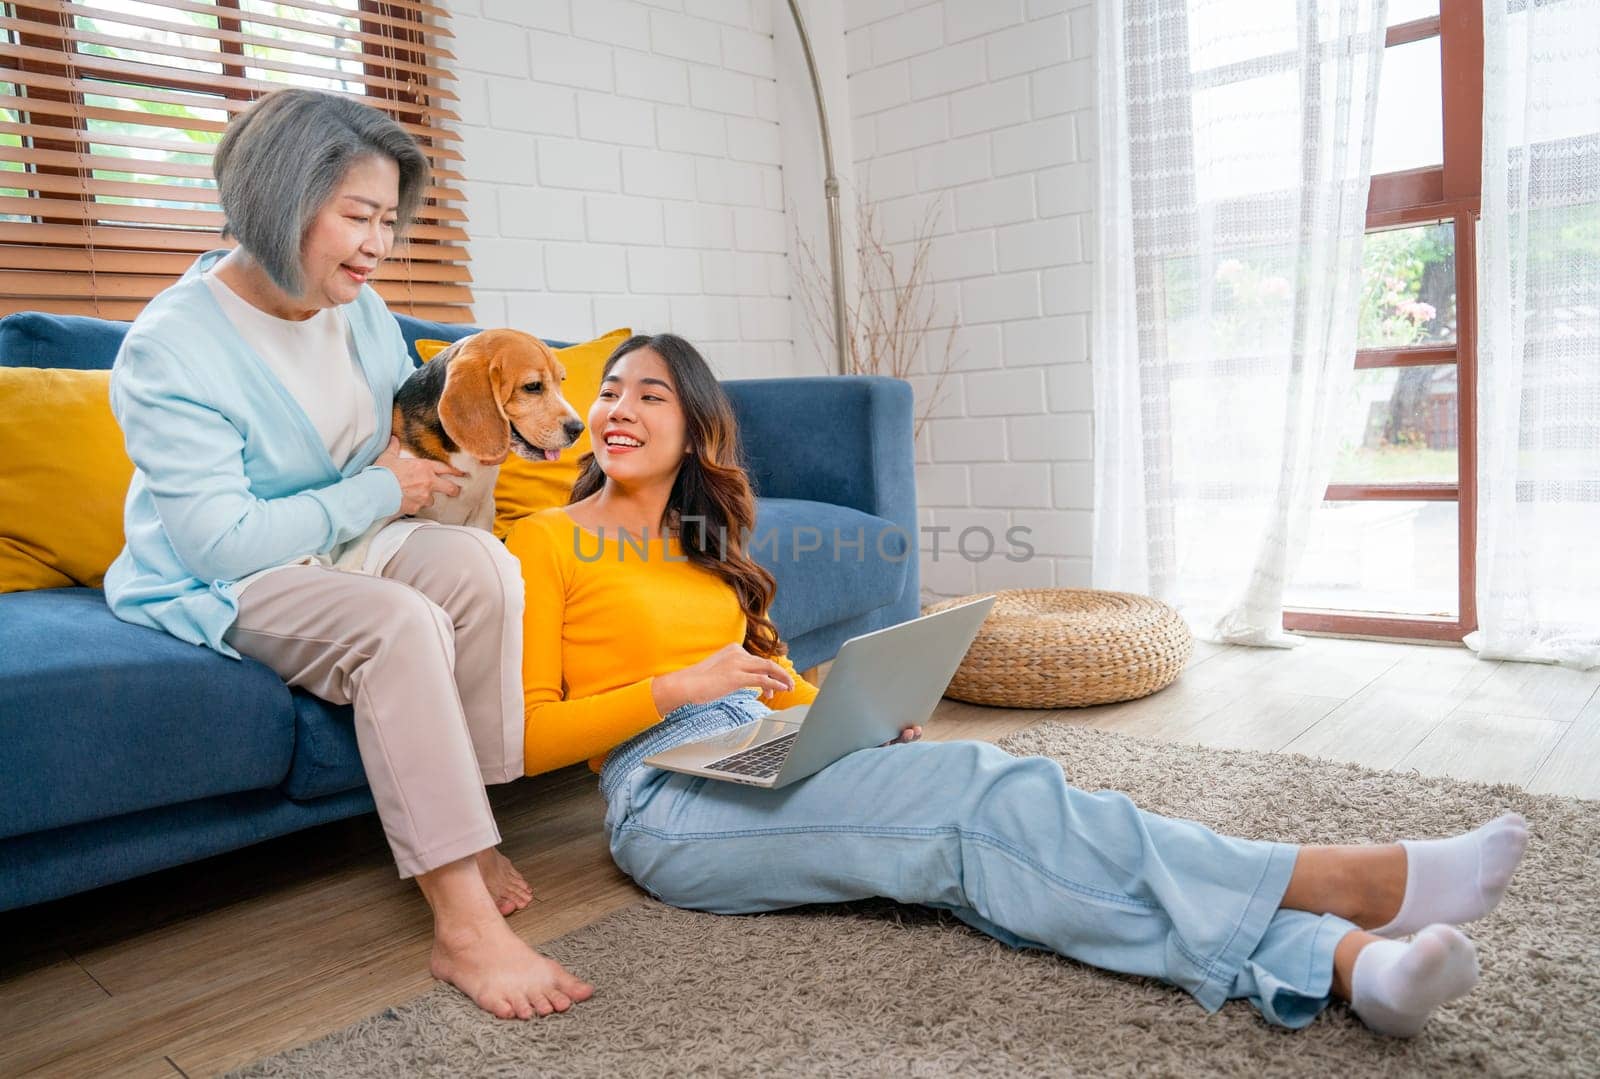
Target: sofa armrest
841,439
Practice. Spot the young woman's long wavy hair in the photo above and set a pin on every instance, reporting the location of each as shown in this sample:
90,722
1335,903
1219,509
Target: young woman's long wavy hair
712,491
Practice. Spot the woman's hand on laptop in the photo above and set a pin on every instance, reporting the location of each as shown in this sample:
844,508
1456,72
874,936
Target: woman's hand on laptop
910,734
719,674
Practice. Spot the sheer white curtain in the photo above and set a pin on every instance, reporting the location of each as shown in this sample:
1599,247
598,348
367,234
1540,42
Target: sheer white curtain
1539,334
1235,143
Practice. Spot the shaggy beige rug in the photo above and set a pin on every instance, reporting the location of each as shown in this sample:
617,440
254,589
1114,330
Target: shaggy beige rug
876,989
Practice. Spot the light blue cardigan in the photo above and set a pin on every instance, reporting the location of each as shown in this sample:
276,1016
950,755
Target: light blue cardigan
230,476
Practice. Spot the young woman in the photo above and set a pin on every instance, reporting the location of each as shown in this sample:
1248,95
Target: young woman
635,643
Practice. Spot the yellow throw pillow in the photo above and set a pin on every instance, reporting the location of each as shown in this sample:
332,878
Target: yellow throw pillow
427,348
527,486
65,478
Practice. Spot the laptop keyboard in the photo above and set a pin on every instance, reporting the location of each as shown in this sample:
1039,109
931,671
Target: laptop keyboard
762,762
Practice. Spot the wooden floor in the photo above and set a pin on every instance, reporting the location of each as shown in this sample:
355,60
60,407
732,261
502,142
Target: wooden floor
209,966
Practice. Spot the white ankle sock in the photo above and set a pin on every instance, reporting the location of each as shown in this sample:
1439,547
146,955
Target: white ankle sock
1397,986
1460,879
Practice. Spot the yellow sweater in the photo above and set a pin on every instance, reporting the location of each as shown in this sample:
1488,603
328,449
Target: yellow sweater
602,621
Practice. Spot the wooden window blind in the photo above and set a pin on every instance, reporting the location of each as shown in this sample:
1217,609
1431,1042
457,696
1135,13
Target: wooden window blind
111,110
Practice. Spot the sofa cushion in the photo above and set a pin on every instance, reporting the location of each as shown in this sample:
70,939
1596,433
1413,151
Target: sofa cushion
99,717
326,757
826,577
35,339
65,480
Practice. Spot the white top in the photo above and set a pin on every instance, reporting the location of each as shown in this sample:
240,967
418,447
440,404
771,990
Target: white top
315,359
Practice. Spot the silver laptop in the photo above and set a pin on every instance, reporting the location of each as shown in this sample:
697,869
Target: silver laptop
879,684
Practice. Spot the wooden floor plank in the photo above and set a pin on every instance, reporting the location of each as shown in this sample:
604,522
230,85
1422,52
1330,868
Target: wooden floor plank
1534,690
1329,667
954,721
1203,650
1378,726
284,1020
152,1068
1227,666
44,987
1265,721
1485,748
1160,715
1573,766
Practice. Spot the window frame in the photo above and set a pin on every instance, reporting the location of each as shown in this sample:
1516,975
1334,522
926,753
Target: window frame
1450,191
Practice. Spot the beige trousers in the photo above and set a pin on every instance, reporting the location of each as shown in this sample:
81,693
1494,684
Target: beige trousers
430,655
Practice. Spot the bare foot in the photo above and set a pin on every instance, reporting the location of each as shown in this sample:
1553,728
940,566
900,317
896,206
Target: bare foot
502,975
508,888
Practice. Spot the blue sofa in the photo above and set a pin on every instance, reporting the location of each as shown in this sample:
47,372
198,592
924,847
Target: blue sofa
124,750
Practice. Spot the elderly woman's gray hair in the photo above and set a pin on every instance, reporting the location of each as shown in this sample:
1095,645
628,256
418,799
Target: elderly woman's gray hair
281,159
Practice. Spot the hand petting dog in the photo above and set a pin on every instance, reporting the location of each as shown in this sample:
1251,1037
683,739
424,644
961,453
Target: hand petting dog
420,479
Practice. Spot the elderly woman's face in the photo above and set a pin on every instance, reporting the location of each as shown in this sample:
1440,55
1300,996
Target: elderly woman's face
352,233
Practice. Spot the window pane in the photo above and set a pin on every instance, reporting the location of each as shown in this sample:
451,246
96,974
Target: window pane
180,144
1560,115
178,34
1409,131
1408,287
1401,11
1562,266
1399,426
183,141
344,74
106,24
1247,137
1379,557
13,140
1240,305
1222,32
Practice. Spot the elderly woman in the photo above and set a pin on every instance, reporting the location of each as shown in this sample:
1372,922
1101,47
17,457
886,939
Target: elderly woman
255,397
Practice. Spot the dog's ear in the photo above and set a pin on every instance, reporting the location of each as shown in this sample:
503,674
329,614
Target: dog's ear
470,407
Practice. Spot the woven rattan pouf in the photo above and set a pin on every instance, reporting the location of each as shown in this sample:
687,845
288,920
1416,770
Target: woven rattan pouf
1070,647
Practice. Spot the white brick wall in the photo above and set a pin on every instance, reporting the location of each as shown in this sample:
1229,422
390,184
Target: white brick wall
649,163
623,168
987,107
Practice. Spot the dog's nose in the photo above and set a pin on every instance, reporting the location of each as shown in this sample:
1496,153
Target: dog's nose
574,428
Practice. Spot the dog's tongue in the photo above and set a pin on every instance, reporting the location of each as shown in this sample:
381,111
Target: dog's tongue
552,455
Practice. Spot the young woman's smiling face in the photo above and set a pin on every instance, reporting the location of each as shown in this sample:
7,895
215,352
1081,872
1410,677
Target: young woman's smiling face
637,422
352,233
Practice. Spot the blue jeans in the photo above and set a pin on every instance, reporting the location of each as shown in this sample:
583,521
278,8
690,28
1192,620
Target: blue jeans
1003,842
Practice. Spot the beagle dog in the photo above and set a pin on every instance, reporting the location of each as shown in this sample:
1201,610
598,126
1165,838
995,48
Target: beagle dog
488,395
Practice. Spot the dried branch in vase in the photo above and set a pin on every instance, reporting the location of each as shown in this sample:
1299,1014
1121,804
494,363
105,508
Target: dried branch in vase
891,322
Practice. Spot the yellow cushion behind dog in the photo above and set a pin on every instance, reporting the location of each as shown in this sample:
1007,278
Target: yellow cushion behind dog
526,486
64,481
